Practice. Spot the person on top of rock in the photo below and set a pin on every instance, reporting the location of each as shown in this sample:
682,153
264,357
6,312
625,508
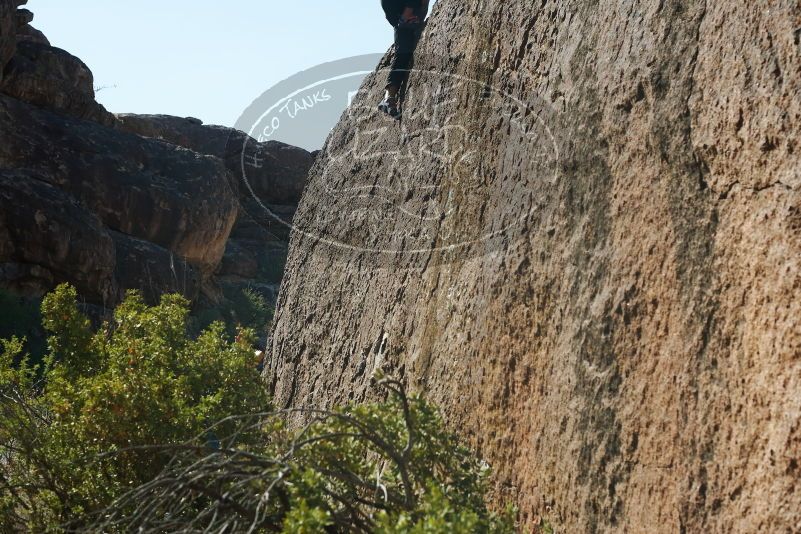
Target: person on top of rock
408,19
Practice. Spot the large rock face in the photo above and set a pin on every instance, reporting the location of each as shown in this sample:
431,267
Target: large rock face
52,78
33,71
584,240
46,237
268,194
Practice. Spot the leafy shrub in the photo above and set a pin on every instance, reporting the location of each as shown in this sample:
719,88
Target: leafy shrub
139,427
387,468
251,309
137,382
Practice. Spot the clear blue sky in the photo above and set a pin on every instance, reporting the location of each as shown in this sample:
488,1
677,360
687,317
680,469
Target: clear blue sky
203,58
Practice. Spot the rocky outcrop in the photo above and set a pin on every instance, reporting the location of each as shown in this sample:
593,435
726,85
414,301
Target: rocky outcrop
29,34
583,240
35,72
276,172
51,78
47,236
176,200
269,178
151,190
153,270
145,202
10,21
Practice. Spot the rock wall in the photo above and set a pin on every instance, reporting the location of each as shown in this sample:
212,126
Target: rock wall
283,169
49,77
584,241
268,195
174,198
112,203
11,19
35,72
177,200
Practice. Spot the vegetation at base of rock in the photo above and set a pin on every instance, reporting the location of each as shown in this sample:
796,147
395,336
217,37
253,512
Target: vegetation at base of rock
19,316
545,527
242,308
135,382
130,428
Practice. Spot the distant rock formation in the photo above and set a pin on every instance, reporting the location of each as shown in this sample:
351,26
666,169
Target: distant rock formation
256,249
51,78
584,241
278,180
131,202
12,21
175,199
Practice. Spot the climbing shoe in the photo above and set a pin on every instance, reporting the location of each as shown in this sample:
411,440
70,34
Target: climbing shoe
390,106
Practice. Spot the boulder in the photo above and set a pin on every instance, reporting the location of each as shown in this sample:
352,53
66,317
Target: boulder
48,237
30,34
273,171
160,194
272,222
583,241
187,132
269,178
35,72
152,270
23,16
9,24
151,190
51,78
239,260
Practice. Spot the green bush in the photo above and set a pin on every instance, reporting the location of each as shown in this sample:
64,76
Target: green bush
137,382
242,308
137,427
387,468
251,309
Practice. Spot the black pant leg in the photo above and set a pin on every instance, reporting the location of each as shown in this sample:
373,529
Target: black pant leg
404,48
406,40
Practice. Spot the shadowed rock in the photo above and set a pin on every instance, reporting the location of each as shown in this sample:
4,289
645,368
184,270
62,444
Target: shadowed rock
153,270
280,170
51,78
173,197
159,195
268,193
30,34
10,23
47,237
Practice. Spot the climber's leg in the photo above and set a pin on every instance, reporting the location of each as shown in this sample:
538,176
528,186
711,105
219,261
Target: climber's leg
408,24
407,36
405,42
390,104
